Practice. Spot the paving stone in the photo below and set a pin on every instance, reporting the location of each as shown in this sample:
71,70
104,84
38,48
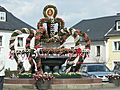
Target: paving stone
60,86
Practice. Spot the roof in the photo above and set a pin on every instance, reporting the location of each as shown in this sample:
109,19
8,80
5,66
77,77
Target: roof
97,28
12,22
113,32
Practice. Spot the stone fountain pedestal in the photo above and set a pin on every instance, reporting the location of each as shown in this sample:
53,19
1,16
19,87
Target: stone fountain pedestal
73,83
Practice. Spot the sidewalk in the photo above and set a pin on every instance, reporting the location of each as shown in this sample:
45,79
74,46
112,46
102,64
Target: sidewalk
60,86
82,86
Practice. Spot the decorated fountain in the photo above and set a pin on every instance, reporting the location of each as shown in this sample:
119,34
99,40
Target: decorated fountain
51,52
49,48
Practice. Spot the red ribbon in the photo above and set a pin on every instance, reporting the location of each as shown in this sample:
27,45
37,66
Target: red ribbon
79,52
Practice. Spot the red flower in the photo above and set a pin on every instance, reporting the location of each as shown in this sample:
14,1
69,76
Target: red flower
42,76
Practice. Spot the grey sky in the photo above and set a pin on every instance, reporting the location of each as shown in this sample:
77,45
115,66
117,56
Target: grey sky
71,11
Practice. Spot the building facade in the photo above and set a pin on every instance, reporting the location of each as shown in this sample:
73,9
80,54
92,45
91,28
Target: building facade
113,44
9,23
99,30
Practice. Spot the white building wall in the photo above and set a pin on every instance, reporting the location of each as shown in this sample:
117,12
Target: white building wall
93,53
4,52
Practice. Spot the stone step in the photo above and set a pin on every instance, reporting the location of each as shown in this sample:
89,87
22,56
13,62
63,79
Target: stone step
81,86
59,86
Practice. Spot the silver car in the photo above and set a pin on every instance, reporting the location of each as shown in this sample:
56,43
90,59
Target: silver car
96,70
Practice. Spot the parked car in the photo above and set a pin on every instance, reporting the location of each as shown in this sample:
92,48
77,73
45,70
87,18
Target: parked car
95,70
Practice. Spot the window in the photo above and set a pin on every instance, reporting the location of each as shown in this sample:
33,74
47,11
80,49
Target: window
118,25
2,16
0,40
116,45
97,68
98,50
20,42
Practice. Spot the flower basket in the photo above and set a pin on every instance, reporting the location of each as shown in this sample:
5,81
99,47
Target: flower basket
42,85
116,82
114,78
43,80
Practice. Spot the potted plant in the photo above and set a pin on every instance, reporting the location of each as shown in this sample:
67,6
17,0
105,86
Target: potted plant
43,80
114,78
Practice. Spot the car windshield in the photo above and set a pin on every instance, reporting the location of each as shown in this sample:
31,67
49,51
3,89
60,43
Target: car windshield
98,68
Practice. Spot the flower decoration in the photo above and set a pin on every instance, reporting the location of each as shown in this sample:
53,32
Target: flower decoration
67,75
52,21
113,76
43,80
50,10
45,37
25,75
43,76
